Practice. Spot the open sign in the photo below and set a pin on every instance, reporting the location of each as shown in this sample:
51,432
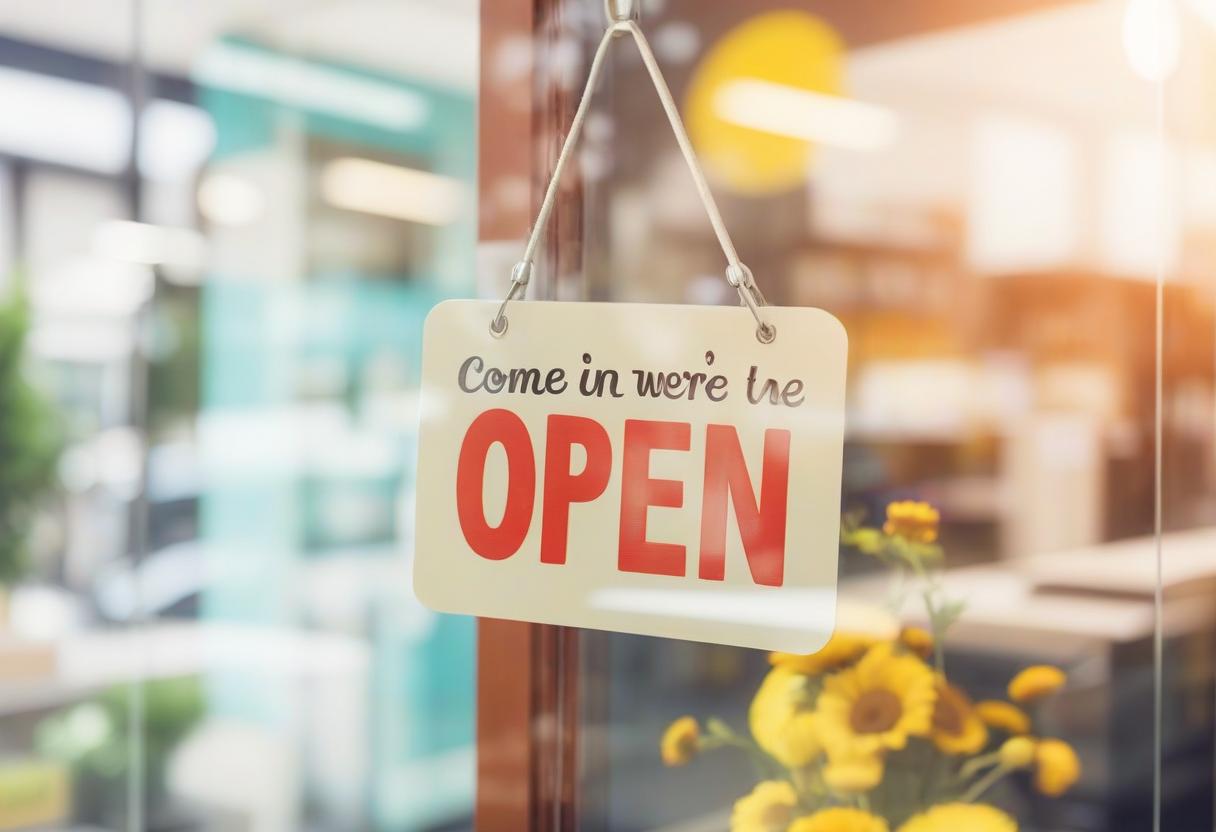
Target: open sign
640,468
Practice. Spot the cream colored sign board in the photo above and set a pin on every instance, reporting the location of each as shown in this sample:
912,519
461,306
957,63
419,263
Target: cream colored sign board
633,467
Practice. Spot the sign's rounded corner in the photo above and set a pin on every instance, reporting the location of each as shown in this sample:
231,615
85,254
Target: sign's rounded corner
838,325
807,643
422,591
437,311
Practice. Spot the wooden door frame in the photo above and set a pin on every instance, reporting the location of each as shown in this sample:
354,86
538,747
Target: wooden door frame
527,719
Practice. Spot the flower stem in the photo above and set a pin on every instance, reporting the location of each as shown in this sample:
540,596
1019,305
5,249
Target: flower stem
800,780
973,766
725,738
939,656
984,784
935,618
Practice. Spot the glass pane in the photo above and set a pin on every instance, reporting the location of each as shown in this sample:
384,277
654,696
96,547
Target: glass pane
978,195
1180,189
70,445
229,224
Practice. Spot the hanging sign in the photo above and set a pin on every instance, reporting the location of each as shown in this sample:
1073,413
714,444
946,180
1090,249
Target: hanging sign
633,467
665,470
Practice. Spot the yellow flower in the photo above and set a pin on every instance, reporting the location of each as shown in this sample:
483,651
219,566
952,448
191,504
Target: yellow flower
912,520
841,649
1004,717
876,704
918,640
957,729
680,742
769,808
782,718
1017,752
961,817
853,775
1036,682
840,820
1056,767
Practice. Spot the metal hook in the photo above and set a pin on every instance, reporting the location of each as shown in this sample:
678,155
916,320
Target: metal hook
740,276
520,275
622,11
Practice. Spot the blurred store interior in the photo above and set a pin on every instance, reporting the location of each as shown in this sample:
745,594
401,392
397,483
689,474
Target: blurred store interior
225,319
990,202
222,225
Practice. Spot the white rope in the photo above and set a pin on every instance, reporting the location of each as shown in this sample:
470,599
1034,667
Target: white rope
737,274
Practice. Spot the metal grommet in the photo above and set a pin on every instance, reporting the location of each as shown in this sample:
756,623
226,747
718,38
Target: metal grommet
766,333
498,326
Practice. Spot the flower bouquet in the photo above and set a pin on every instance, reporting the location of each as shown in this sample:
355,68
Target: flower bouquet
869,734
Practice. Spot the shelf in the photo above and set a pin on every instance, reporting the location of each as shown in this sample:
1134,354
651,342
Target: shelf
91,662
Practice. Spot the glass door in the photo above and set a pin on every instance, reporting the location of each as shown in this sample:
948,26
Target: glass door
1005,204
221,228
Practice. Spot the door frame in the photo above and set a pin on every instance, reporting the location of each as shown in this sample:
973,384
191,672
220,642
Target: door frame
527,719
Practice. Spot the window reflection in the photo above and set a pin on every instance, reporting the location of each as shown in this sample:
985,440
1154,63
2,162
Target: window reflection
990,226
226,236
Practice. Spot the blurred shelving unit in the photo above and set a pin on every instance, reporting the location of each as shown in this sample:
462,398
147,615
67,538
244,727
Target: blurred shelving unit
311,332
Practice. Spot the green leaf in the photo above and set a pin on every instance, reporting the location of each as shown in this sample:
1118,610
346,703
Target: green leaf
29,443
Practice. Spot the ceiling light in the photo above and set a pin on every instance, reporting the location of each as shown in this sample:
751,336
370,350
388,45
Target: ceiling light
803,114
92,286
1151,38
149,245
88,126
296,82
392,191
175,140
227,199
65,122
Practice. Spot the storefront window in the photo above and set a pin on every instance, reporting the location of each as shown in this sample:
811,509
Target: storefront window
221,231
221,320
993,201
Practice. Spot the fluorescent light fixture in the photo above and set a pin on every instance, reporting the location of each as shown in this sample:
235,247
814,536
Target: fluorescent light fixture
1024,201
65,122
84,340
392,191
175,140
296,82
92,286
802,114
149,245
1138,232
231,200
1152,37
89,126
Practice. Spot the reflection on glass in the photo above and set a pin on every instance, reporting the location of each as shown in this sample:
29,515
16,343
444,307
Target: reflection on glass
991,231
215,255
